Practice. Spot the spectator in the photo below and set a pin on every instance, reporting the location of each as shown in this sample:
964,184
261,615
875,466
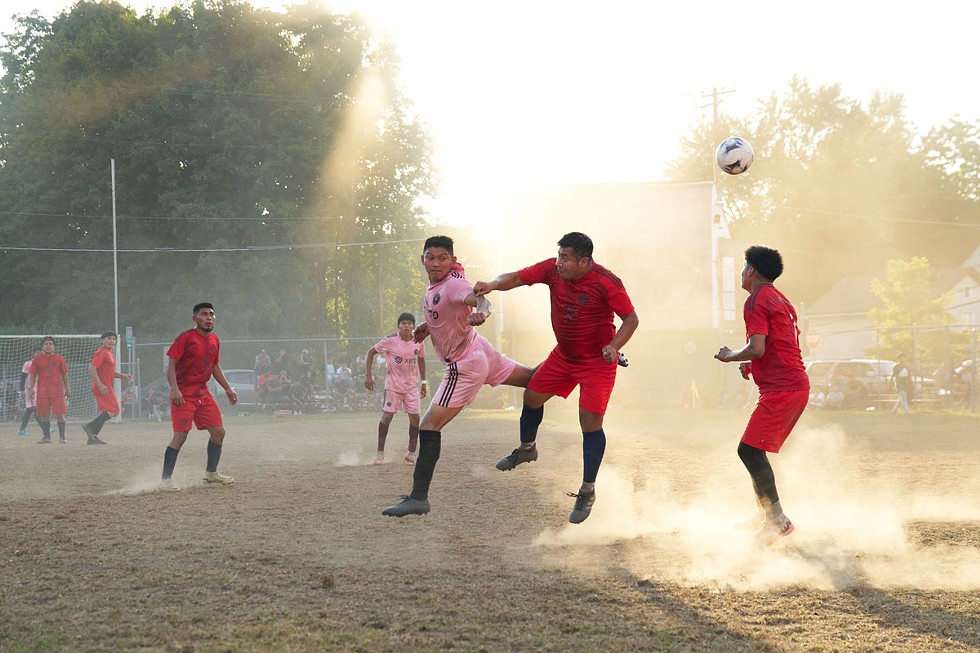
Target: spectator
263,363
282,362
331,373
345,378
308,371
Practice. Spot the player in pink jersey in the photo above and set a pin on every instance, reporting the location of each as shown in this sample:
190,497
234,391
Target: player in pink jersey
25,374
772,357
103,372
405,363
49,383
471,362
584,298
192,360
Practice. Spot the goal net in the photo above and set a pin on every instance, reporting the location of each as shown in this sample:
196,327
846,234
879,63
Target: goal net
77,351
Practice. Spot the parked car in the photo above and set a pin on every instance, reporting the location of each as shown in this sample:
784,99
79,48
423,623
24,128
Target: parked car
862,380
243,382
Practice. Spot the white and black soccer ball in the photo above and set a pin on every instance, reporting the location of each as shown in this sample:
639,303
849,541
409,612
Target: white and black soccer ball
735,155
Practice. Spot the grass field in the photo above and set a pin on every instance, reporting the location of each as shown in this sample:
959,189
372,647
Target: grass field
295,556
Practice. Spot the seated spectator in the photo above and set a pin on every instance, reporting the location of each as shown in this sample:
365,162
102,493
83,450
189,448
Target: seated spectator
345,378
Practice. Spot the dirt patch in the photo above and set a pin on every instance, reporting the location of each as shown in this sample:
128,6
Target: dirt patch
295,556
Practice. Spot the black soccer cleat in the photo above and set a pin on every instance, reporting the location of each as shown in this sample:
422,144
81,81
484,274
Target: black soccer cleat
583,506
516,457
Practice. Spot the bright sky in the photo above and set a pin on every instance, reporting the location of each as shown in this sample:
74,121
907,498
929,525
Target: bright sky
543,92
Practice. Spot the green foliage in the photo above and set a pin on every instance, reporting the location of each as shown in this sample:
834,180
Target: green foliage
841,188
909,308
280,139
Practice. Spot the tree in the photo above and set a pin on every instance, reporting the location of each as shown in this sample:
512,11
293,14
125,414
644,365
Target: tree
840,187
228,126
910,307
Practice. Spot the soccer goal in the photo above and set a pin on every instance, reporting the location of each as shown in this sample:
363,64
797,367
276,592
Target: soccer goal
77,350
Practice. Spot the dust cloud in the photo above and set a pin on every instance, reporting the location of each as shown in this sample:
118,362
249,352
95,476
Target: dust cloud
851,507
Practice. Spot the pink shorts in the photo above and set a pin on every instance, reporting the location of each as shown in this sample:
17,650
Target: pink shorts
107,402
408,401
773,419
44,406
202,412
484,365
558,375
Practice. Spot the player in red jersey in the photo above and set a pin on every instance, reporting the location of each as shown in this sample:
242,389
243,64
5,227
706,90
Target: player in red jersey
584,297
48,381
102,370
405,363
772,357
192,360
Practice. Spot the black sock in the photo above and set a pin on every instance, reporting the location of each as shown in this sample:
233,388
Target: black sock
96,424
430,446
46,430
27,418
763,479
61,430
169,462
214,455
530,421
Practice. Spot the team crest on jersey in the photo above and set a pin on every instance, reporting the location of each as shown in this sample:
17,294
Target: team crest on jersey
416,352
583,299
436,299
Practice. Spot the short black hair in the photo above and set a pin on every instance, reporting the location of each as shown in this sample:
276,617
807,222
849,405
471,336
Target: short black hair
579,243
444,242
765,260
198,307
46,338
406,317
106,334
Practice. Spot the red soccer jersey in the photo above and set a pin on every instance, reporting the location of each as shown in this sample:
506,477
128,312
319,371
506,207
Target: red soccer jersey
49,371
767,312
104,362
196,356
581,310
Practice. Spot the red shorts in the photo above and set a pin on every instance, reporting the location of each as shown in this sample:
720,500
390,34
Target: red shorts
107,402
774,417
201,411
44,406
558,376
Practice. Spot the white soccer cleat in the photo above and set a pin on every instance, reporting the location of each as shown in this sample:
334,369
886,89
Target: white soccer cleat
410,457
215,477
379,458
168,485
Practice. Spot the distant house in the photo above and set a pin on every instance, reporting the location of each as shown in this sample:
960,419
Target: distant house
838,323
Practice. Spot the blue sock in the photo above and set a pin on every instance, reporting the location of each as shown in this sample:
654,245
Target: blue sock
593,447
530,421
61,430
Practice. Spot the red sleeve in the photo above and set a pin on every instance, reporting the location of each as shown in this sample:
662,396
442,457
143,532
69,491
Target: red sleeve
62,364
177,349
536,273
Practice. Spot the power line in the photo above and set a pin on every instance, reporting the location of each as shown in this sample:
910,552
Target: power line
248,248
857,216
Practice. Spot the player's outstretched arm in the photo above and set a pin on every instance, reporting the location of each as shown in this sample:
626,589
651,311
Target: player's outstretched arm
505,281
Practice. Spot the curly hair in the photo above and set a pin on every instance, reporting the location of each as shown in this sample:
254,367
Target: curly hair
766,261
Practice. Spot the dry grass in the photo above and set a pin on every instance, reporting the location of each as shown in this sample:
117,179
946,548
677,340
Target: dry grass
295,556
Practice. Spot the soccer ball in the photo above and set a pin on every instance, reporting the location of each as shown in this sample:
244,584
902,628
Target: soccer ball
734,155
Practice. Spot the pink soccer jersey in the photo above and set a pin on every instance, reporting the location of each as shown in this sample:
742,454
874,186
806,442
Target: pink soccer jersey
402,360
445,315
